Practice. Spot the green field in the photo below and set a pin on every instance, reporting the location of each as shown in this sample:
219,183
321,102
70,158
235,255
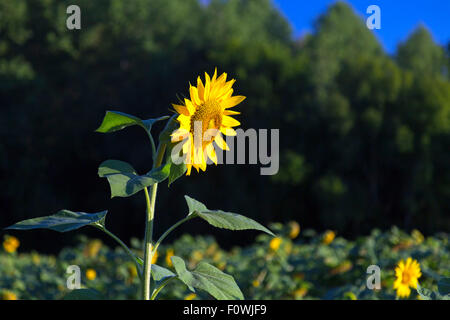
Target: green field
306,267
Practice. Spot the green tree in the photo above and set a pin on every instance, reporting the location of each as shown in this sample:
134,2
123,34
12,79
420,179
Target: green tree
419,53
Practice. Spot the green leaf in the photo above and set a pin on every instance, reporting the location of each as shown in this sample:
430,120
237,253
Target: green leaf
124,181
176,170
444,286
115,166
160,273
424,293
62,221
194,205
149,122
171,126
232,221
222,219
83,294
115,120
208,278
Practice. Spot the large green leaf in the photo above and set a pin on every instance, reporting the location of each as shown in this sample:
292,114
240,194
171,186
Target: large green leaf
115,120
109,167
222,219
208,278
83,294
195,206
171,126
62,221
176,170
160,273
124,181
444,286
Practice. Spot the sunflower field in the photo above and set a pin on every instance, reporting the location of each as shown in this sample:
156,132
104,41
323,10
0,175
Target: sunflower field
297,264
334,148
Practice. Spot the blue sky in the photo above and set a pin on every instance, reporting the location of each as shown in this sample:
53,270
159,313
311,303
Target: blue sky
398,17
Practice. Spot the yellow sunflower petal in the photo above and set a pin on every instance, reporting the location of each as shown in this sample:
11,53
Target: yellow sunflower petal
226,87
222,79
229,121
189,168
198,155
217,87
211,152
213,80
408,262
203,165
189,106
179,134
221,143
194,96
200,88
185,121
181,109
207,86
228,131
230,112
187,148
233,101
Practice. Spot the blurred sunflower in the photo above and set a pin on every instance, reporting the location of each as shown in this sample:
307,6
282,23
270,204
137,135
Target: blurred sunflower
132,271
300,293
407,274
275,243
294,229
169,254
91,274
155,257
328,237
92,248
8,295
190,296
204,117
11,244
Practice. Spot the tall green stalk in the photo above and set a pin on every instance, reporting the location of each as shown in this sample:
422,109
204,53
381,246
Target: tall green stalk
150,204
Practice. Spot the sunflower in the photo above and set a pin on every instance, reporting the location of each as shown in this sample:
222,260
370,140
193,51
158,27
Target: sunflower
328,237
275,243
407,274
204,118
11,244
91,274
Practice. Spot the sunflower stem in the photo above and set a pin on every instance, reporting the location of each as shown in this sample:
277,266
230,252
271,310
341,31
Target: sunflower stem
124,246
163,284
165,234
152,142
150,204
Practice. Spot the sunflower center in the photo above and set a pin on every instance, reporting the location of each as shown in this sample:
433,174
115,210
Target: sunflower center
208,115
406,277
